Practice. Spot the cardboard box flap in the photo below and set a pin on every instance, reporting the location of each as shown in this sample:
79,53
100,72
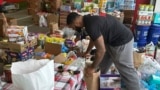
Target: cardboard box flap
53,48
59,58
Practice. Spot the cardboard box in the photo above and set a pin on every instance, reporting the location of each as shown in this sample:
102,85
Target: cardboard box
38,50
34,4
15,31
33,11
62,26
15,56
55,4
128,20
35,19
51,18
22,56
53,48
138,59
11,21
13,46
16,47
128,13
93,81
63,17
53,28
110,82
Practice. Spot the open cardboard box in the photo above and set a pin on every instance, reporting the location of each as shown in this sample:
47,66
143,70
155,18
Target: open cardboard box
13,46
60,58
17,47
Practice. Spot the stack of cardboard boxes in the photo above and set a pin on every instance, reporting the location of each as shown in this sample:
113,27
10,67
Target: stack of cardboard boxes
18,45
55,5
49,17
11,21
128,17
34,6
64,11
17,52
51,5
63,17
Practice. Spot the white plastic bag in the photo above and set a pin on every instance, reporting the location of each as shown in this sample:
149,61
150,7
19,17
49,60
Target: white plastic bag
72,54
150,49
68,32
83,44
42,21
33,75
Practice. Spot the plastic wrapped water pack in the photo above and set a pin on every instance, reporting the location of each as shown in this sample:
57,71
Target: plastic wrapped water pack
150,66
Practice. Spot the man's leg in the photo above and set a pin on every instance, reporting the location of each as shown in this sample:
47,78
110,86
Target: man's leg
106,63
123,59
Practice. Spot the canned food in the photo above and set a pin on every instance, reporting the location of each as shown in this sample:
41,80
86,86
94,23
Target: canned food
7,73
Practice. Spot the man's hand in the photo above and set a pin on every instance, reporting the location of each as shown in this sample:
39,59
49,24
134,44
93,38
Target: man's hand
89,71
86,55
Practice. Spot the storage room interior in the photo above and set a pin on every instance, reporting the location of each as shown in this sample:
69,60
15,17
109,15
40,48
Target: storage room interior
79,44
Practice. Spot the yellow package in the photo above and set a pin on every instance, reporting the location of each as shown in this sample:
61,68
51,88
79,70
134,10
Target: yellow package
42,36
68,62
48,39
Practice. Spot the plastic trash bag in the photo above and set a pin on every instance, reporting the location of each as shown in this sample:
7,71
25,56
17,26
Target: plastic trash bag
33,75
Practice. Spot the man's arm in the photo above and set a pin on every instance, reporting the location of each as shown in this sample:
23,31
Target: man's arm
100,46
90,46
